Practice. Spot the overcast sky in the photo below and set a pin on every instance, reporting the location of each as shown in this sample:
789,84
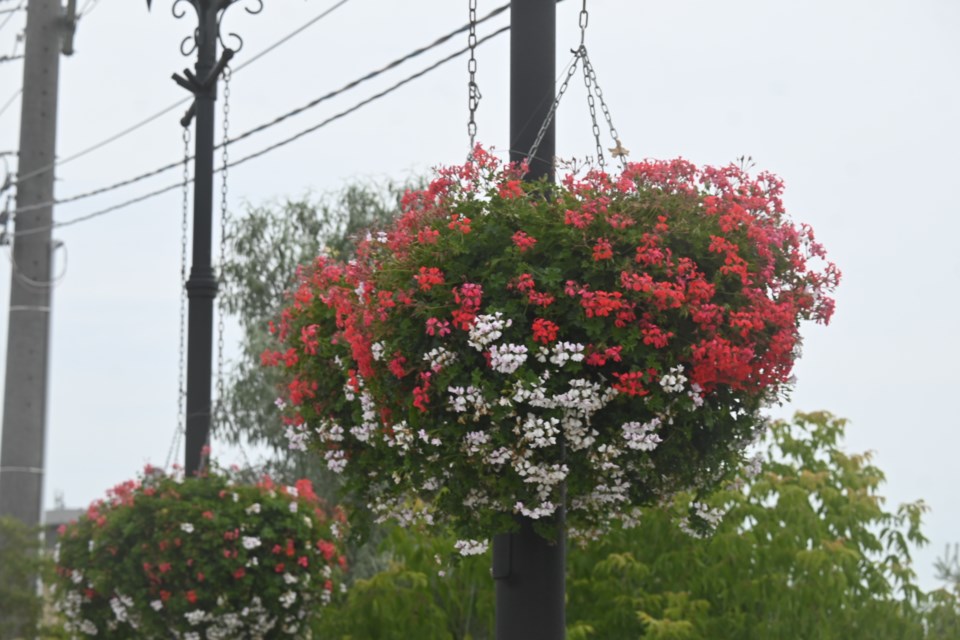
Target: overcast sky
854,103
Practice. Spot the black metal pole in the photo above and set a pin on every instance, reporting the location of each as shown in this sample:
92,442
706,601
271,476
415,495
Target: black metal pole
202,283
530,571
533,67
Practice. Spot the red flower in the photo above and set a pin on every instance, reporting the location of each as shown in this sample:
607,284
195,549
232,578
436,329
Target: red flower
239,573
303,561
191,596
523,241
279,568
544,331
326,548
459,223
632,383
510,189
396,365
428,278
602,250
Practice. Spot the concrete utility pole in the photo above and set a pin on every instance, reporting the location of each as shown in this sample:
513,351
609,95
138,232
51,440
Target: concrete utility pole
25,395
530,571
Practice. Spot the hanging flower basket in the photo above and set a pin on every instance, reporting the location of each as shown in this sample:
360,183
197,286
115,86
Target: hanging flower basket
199,558
508,346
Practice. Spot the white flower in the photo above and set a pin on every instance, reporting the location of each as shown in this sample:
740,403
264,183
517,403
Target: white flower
474,440
336,460
288,599
641,437
186,527
156,605
672,382
252,509
471,547
195,617
290,578
487,328
293,506
376,349
292,491
695,394
280,403
439,358
507,358
537,431
250,542
543,510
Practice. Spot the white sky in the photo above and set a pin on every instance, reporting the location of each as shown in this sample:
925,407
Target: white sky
855,104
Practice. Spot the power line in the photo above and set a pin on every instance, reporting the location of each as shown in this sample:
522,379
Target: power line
367,101
6,105
168,109
88,6
263,127
274,146
10,14
289,36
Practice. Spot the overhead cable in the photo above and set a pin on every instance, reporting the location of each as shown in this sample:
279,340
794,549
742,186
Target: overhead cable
6,105
272,147
263,127
171,107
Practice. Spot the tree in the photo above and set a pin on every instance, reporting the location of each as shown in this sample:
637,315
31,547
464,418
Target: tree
805,550
266,247
21,563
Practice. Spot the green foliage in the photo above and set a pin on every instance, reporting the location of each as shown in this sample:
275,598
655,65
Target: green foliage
424,592
806,550
21,564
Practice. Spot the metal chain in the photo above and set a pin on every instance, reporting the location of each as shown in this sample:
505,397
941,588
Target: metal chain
553,107
473,90
618,151
588,82
184,220
224,218
584,21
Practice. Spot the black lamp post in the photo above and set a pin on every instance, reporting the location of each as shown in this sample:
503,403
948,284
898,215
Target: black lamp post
529,570
202,283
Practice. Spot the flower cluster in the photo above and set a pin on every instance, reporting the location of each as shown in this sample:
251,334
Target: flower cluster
201,557
508,345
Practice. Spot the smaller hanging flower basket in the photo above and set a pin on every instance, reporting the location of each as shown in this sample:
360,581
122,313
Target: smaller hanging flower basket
510,347
196,558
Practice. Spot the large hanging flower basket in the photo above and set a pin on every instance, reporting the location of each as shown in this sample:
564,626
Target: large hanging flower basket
507,347
165,557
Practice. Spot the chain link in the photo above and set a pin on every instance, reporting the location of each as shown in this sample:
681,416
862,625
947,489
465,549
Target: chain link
591,103
473,89
553,107
584,21
184,220
618,151
224,219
